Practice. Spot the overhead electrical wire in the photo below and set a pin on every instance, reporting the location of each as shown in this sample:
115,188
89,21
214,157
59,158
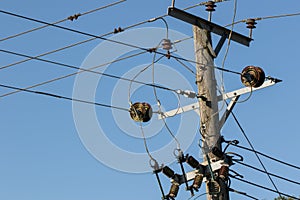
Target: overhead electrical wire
203,4
111,40
185,66
93,38
222,87
229,39
153,61
87,70
153,162
62,97
71,30
160,108
243,193
134,78
262,171
65,47
258,158
71,18
165,22
267,156
266,17
72,74
265,188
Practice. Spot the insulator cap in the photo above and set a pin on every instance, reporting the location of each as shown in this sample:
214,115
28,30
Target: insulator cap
140,112
223,172
168,172
210,6
213,187
174,190
251,23
197,181
253,76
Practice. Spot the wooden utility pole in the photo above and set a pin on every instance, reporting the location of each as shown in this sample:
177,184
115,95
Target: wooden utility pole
208,102
210,124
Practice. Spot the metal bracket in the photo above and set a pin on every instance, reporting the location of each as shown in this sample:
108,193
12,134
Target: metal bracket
209,26
191,175
220,44
228,111
229,95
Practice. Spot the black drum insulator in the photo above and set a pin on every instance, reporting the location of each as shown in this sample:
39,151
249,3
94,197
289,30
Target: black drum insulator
213,187
168,171
174,190
192,162
141,112
223,173
253,76
197,181
217,152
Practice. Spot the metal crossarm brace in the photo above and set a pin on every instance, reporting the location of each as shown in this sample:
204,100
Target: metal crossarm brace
229,95
228,111
220,44
209,26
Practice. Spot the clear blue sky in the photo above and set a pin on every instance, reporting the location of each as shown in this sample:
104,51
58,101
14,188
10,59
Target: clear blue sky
41,149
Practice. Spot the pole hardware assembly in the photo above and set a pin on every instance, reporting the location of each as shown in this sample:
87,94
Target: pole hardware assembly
215,168
211,173
253,76
217,187
251,25
140,112
210,7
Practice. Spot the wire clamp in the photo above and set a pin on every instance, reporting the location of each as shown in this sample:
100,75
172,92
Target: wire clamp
118,30
74,17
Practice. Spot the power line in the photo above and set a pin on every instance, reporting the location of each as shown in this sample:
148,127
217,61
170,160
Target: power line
71,45
47,53
71,18
243,193
263,187
267,156
277,16
185,66
93,38
113,41
86,70
264,18
229,40
252,147
203,4
62,97
72,74
277,176
159,105
71,30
